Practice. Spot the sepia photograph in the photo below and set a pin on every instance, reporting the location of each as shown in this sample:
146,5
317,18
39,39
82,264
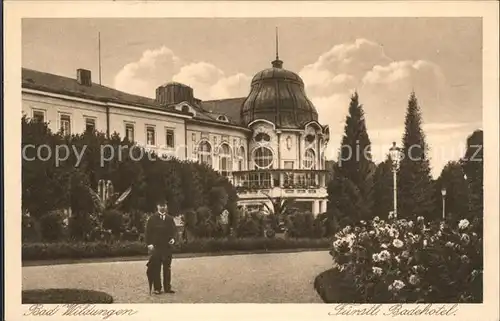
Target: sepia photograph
319,160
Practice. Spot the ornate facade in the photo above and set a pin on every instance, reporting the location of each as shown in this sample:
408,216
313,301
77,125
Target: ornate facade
268,143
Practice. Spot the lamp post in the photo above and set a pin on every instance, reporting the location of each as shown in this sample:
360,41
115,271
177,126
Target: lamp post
443,193
395,154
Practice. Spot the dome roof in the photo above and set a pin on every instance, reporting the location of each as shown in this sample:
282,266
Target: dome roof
278,95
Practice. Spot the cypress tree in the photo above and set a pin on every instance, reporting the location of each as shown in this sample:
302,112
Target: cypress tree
472,164
457,197
383,189
415,187
355,159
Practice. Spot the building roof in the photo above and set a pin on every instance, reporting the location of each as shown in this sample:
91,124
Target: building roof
206,110
57,84
278,95
230,108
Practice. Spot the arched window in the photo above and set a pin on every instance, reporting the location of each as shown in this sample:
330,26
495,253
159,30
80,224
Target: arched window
205,152
241,158
222,118
225,164
263,158
309,159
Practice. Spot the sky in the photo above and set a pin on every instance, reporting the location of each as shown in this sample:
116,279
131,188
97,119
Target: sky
383,59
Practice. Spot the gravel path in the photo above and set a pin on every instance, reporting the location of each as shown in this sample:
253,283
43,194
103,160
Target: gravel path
251,278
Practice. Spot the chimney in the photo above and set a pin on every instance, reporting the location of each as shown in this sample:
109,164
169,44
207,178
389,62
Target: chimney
83,76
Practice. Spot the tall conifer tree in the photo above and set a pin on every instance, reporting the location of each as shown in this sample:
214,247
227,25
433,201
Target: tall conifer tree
415,187
382,189
355,170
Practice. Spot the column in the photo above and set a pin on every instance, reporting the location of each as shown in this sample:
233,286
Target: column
315,207
323,206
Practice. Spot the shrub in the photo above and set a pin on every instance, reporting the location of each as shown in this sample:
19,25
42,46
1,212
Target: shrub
410,262
31,230
52,226
102,249
304,225
60,296
113,220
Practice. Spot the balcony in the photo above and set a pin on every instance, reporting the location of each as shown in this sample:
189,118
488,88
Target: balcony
291,183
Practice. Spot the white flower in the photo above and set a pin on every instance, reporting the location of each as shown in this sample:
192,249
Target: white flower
405,254
362,222
347,229
410,224
391,216
384,246
415,268
420,219
372,233
376,270
413,279
337,244
425,243
463,224
449,244
397,259
384,255
393,232
397,243
376,219
375,258
465,238
396,285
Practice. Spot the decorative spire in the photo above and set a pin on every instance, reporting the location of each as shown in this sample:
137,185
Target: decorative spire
277,44
277,63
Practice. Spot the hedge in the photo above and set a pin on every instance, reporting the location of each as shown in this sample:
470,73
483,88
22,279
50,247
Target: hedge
72,250
60,296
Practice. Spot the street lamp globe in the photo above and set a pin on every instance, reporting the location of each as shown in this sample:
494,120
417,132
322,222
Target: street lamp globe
394,153
443,191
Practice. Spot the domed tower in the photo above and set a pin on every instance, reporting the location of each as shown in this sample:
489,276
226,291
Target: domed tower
278,95
285,145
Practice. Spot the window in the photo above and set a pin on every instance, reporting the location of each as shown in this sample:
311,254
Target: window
241,158
288,164
129,132
263,157
39,116
310,138
259,180
170,138
222,118
193,137
225,164
262,137
309,159
65,124
186,109
89,124
205,152
150,136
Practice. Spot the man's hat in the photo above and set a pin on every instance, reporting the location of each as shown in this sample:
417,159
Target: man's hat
161,201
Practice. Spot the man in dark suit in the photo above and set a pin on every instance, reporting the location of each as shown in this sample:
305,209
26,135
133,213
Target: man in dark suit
160,237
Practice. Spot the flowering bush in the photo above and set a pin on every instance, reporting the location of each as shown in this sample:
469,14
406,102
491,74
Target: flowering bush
410,262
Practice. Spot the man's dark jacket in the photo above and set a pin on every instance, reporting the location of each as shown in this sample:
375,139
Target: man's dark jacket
159,232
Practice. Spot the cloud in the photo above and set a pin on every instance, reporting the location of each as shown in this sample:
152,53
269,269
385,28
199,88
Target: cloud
153,68
158,66
384,86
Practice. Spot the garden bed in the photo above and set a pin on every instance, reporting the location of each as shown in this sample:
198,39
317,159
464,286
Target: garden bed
70,250
332,287
60,296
